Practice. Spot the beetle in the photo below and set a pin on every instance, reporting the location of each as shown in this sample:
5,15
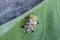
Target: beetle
30,24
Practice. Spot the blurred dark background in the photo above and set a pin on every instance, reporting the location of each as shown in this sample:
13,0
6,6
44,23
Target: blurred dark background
10,9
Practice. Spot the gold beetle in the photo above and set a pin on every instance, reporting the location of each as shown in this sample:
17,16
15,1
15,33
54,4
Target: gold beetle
30,24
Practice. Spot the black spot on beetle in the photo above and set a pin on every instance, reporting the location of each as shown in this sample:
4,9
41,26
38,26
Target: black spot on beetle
25,17
25,24
37,22
32,31
28,24
28,21
22,26
26,31
26,28
28,17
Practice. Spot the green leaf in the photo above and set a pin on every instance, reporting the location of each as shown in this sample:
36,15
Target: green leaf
52,20
48,13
